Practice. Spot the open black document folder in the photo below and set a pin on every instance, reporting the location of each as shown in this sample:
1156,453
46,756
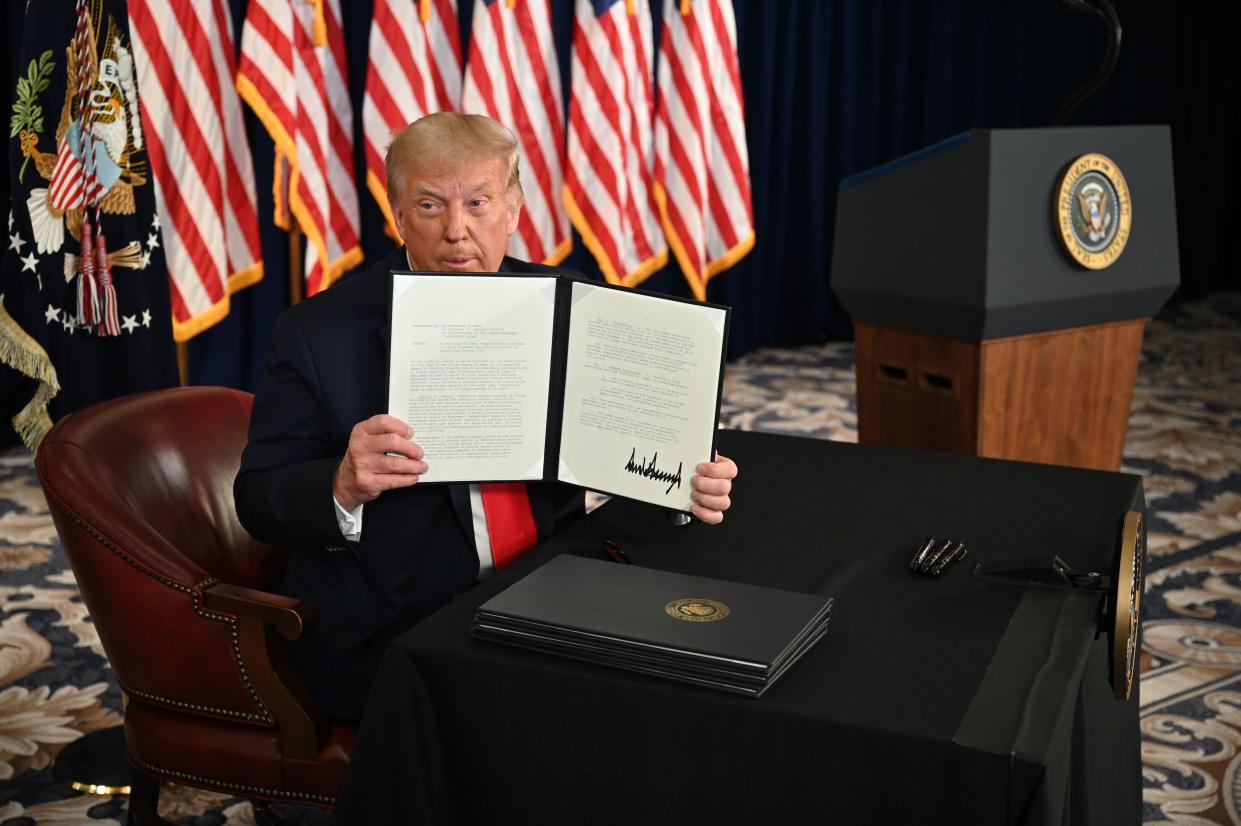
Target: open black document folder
508,377
724,635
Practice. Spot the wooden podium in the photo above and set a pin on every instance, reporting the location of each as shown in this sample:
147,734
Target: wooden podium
977,329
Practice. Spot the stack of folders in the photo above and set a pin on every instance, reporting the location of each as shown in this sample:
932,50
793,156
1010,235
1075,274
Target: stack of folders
725,635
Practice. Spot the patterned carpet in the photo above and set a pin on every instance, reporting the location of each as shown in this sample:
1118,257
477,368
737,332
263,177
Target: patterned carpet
1184,438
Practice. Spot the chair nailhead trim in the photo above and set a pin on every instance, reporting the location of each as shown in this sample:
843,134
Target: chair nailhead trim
225,712
236,787
195,595
236,643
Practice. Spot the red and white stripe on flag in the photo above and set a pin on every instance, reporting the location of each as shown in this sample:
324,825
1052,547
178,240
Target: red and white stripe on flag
292,73
512,75
66,190
702,166
414,70
199,156
611,146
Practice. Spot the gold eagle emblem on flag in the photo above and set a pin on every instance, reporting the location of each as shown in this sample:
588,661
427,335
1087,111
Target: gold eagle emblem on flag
99,135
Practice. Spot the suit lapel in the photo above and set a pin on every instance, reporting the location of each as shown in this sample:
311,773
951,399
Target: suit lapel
383,332
542,509
460,493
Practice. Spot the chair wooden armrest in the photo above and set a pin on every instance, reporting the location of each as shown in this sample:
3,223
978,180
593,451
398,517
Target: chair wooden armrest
290,617
260,614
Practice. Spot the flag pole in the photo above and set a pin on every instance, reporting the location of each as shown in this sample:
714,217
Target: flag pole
183,362
295,265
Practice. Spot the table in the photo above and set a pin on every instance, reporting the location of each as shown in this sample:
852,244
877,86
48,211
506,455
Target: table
928,701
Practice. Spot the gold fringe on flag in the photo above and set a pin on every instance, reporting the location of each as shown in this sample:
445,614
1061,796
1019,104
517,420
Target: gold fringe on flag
319,33
21,352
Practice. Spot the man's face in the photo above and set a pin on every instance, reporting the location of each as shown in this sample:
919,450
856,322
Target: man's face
459,220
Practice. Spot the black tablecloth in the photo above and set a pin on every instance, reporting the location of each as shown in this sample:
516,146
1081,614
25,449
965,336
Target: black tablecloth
929,701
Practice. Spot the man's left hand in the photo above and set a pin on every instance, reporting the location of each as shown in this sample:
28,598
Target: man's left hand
711,486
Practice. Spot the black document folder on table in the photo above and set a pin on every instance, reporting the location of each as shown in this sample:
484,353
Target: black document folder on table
725,635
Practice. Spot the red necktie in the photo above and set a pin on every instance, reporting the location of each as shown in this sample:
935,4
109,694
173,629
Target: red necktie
510,524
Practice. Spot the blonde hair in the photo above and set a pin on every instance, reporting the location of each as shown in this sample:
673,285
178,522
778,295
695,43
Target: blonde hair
445,142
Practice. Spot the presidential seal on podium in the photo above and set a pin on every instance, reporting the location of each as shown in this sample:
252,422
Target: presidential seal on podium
1093,212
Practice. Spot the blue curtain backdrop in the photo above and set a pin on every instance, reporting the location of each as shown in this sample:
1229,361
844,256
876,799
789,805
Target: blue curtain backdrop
836,87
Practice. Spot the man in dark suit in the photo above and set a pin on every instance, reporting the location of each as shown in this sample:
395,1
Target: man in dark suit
387,552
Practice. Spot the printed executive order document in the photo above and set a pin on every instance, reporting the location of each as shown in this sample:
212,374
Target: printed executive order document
529,377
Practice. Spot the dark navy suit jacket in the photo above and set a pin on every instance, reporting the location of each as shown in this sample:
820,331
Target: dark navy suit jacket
326,372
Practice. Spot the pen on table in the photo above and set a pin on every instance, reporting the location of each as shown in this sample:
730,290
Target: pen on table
613,550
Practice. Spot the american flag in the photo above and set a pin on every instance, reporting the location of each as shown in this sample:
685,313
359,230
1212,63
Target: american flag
702,167
512,75
292,74
414,70
199,155
611,148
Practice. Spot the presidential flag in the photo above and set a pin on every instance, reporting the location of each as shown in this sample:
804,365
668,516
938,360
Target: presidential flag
512,76
414,69
611,143
84,312
292,74
702,166
200,157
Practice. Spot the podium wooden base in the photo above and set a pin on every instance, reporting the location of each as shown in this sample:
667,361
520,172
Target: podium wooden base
1060,397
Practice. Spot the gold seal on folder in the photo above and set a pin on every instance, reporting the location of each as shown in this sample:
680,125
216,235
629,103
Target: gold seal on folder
696,610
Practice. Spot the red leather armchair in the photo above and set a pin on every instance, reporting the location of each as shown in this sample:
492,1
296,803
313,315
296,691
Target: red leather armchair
140,489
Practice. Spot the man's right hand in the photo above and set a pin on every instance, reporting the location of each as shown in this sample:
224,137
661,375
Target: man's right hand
381,456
